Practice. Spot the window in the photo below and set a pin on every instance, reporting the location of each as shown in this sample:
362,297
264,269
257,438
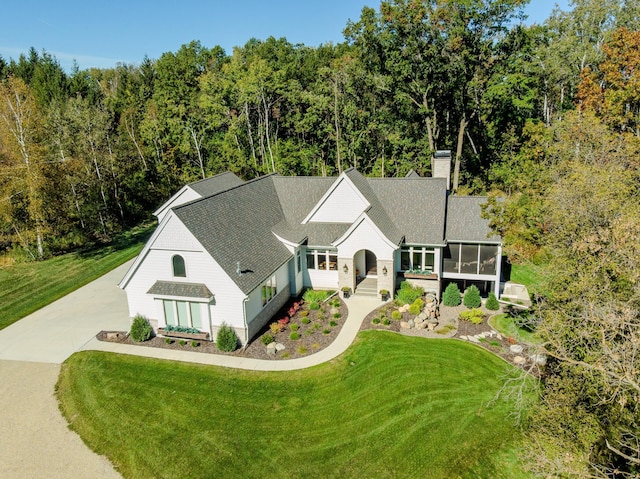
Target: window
179,269
182,313
322,259
470,259
298,262
417,258
269,290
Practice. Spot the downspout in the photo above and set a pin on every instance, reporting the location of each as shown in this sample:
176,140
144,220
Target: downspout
246,326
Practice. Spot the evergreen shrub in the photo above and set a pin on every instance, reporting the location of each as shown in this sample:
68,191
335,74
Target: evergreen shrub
472,297
492,303
451,295
226,340
140,329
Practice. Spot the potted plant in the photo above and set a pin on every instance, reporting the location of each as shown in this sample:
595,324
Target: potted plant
384,293
346,292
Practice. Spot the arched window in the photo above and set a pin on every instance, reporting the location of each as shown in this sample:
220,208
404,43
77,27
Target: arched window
178,266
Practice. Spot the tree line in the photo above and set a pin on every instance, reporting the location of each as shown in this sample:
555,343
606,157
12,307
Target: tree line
544,118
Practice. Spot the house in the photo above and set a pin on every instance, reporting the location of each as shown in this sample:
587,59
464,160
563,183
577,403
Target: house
234,252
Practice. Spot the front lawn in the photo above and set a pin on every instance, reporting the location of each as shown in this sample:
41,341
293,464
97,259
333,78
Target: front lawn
29,286
391,406
504,323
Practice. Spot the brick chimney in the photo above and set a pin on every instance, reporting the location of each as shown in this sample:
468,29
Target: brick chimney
441,166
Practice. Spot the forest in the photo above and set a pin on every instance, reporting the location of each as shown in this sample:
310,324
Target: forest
545,119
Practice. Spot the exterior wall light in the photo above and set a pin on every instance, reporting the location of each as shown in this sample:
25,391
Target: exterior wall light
345,268
384,270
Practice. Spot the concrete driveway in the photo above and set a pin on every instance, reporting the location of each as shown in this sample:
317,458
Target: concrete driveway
36,442
55,332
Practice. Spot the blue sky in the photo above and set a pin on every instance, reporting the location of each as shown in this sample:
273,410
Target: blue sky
100,34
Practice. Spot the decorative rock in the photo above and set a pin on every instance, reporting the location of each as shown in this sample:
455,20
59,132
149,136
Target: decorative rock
519,360
280,347
271,349
422,316
473,339
466,338
422,325
404,325
412,323
113,336
539,359
404,309
516,349
499,336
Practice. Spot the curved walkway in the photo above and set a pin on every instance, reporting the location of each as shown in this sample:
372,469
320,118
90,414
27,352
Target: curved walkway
359,307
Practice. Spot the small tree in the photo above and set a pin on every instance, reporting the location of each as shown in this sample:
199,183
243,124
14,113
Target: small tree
140,329
451,296
472,297
492,302
226,340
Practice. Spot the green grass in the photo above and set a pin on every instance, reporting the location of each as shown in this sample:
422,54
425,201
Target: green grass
28,286
504,324
529,274
391,406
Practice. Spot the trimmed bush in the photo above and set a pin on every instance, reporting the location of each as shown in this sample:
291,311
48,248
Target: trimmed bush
267,339
472,297
195,344
182,342
304,314
386,321
140,329
294,336
226,340
397,315
337,315
375,320
168,340
492,303
451,295
314,306
333,323
408,293
473,315
305,320
415,308
294,326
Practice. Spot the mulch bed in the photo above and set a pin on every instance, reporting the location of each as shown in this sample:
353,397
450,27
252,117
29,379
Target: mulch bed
318,333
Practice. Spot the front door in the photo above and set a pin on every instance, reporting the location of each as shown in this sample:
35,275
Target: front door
371,263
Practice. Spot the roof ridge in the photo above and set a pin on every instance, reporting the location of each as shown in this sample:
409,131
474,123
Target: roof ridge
251,181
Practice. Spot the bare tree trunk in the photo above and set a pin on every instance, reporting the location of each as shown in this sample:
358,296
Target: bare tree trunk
131,133
456,168
266,127
250,134
197,143
336,125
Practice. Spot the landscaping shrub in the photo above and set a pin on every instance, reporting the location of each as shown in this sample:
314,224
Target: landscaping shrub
397,315
304,314
275,328
168,340
473,315
337,315
415,308
182,342
326,331
302,350
305,320
332,323
195,344
140,329
181,329
451,295
472,297
294,327
386,321
408,293
375,320
226,340
315,296
267,339
492,303
294,336
314,306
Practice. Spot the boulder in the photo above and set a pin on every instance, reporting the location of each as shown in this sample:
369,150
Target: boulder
271,349
412,323
516,349
539,359
280,347
404,325
422,325
519,360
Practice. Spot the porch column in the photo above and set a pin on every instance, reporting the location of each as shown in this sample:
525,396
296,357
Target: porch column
346,278
386,281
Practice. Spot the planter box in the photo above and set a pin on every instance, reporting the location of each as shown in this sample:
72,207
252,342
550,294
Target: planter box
178,334
418,276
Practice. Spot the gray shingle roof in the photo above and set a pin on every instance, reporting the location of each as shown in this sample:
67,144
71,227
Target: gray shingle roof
316,234
215,184
235,226
464,222
417,206
376,211
185,290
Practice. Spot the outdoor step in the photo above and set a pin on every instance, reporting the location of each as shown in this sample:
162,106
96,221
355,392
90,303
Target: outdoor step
366,292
